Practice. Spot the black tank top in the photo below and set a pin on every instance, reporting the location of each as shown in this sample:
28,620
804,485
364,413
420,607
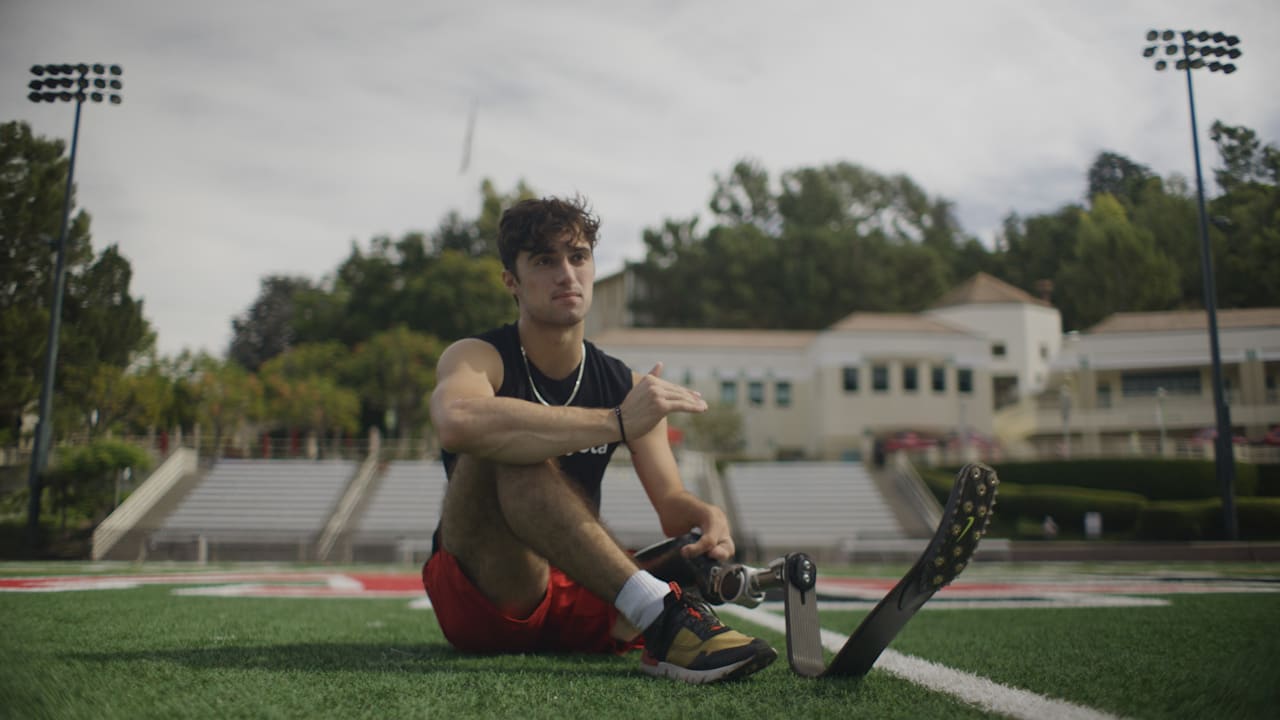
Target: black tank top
605,382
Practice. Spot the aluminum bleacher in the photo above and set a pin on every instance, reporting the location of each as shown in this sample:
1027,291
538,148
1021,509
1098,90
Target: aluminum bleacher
625,508
403,510
820,508
276,507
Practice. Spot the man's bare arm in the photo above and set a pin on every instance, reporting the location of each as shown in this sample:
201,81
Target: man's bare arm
679,510
471,420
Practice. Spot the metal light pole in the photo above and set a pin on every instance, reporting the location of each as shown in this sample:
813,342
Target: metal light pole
1161,394
61,83
1064,397
1217,45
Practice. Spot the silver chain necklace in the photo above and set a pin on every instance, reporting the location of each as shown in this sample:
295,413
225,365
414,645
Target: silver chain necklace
576,383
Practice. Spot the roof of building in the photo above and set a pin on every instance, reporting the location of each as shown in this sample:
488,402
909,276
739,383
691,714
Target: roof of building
984,289
1184,320
702,337
893,322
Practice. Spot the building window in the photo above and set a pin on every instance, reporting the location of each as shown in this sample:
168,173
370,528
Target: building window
851,379
998,350
1147,384
964,380
1044,351
755,393
782,393
910,378
1104,396
880,378
939,379
728,392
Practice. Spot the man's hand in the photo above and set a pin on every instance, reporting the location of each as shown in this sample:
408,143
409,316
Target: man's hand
715,542
652,399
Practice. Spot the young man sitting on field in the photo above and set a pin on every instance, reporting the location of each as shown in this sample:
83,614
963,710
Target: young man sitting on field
529,415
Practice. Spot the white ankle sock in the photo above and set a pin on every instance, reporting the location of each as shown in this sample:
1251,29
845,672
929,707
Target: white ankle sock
641,599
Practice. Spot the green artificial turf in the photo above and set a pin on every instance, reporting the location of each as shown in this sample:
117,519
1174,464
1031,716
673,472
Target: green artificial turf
147,653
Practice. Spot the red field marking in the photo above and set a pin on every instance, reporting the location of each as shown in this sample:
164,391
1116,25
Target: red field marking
405,585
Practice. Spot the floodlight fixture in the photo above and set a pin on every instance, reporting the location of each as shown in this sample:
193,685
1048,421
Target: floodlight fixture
1223,45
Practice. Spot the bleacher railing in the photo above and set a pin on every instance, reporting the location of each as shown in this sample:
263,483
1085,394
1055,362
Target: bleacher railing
181,463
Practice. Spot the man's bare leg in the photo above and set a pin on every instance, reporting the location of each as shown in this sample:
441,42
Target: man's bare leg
504,523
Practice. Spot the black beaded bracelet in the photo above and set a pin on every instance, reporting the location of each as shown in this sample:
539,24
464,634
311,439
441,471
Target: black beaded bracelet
617,411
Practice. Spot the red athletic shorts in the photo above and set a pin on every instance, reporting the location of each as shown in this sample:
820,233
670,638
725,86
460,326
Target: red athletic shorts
569,618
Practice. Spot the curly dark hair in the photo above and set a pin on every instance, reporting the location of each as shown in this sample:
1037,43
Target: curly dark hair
533,225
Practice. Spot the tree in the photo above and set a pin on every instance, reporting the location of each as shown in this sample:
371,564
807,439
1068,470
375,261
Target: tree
267,328
1116,267
1118,176
304,389
32,183
1244,158
719,430
86,478
227,396
395,370
101,322
829,241
455,296
1035,248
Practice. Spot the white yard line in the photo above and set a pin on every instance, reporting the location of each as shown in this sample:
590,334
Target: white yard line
973,689
1044,600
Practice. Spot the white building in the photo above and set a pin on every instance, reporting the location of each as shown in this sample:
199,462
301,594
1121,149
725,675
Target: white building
1136,376
987,357
1025,332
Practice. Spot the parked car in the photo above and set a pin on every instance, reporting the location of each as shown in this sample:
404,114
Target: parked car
1206,436
908,440
971,438
1272,437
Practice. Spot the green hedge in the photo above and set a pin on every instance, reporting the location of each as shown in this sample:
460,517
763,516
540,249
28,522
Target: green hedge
1152,479
1269,480
1126,511
1068,505
1257,518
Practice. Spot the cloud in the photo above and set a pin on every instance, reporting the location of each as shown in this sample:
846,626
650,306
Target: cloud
261,138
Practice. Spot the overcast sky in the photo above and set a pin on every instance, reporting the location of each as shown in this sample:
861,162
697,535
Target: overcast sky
260,137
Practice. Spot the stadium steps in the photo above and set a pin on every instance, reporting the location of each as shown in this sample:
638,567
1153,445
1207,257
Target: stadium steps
400,515
123,534
258,506
824,509
917,510
353,501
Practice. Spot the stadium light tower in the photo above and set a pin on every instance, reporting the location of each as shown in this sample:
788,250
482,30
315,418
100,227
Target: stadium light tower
1164,45
78,84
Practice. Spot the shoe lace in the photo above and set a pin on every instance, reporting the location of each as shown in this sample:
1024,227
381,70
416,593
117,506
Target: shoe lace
703,618
696,607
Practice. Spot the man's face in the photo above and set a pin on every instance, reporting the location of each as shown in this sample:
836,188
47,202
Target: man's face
554,285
